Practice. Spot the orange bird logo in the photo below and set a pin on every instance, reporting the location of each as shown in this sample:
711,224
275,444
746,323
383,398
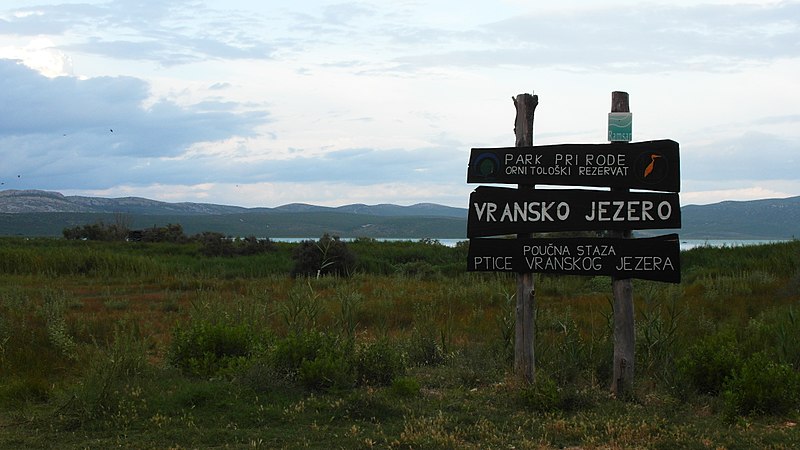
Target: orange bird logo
649,168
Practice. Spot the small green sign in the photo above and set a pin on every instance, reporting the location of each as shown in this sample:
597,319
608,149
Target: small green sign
620,127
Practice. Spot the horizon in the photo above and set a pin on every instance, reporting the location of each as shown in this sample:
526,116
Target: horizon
340,205
250,103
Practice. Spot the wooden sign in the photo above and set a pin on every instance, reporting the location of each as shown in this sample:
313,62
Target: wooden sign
655,258
649,165
497,211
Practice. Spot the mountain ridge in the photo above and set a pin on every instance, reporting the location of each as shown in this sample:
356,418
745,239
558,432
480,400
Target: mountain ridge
23,213
37,201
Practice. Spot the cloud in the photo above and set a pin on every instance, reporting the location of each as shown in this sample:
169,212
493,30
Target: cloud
40,55
640,38
169,33
751,155
98,127
362,95
368,166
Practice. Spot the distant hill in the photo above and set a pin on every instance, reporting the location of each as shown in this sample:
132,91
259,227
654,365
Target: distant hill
420,209
753,219
15,202
43,213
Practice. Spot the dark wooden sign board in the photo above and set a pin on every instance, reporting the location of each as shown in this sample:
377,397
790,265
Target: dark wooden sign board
649,165
656,258
497,211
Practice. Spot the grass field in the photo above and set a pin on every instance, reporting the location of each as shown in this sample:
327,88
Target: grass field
134,345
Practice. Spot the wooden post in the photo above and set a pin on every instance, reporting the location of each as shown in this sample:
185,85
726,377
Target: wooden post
624,331
524,363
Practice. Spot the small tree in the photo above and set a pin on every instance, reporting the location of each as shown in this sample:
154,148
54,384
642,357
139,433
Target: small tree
98,231
169,233
213,243
327,256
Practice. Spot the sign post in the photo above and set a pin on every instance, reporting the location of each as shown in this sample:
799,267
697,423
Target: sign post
495,211
617,164
651,166
656,258
624,329
524,362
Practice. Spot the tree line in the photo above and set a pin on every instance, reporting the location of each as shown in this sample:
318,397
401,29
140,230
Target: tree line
327,256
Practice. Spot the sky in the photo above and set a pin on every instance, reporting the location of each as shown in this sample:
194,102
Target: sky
263,103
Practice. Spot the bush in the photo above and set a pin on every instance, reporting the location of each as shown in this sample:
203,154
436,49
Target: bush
379,362
290,352
318,360
327,371
314,359
710,362
761,386
424,349
406,387
205,348
541,396
111,373
19,391
419,269
170,233
97,232
213,243
328,256
217,244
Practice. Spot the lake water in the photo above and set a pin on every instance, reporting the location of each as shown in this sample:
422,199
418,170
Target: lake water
686,244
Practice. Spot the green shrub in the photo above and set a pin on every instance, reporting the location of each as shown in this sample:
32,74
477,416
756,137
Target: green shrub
23,390
217,244
760,387
301,309
111,374
424,349
379,362
777,332
419,269
168,233
290,352
54,309
328,256
327,371
710,362
206,348
405,387
541,396
99,231
318,360
315,360
559,346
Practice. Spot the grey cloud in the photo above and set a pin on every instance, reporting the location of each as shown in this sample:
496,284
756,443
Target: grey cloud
360,167
36,104
99,124
367,166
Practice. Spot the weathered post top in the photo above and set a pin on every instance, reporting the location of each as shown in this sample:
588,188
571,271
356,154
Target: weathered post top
523,124
620,102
